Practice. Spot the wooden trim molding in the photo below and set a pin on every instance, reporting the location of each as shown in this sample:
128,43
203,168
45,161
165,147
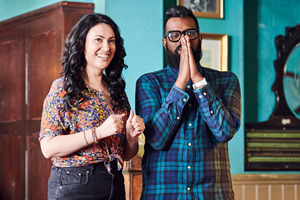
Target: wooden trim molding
266,186
265,178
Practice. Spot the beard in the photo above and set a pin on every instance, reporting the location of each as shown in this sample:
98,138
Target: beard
174,57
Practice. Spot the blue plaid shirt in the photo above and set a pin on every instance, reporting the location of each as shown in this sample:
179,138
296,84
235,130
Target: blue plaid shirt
186,150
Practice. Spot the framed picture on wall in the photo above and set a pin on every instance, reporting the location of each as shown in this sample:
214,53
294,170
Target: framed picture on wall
215,51
204,8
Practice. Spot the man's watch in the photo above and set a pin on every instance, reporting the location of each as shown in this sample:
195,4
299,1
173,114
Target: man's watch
200,83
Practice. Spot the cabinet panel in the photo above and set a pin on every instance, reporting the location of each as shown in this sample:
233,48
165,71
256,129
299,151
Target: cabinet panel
11,173
43,68
11,76
38,169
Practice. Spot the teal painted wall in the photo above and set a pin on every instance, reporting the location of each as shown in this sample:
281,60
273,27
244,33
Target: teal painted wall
145,51
264,20
14,8
250,24
141,27
274,16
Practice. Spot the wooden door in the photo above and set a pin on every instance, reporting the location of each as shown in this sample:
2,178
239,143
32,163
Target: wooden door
12,146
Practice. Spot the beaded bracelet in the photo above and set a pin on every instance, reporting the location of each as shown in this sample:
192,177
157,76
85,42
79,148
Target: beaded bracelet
85,138
95,135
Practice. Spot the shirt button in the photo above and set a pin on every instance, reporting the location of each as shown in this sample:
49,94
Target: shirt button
178,117
200,96
190,105
188,86
188,188
204,93
190,124
211,112
189,167
189,144
184,100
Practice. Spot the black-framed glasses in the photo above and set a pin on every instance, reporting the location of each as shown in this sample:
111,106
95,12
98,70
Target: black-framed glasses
174,36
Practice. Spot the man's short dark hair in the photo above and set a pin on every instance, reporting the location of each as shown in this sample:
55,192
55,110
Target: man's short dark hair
179,11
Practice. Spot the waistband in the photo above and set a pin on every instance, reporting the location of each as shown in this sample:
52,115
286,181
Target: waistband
91,167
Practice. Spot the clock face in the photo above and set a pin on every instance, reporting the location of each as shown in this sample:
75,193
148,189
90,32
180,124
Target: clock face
291,81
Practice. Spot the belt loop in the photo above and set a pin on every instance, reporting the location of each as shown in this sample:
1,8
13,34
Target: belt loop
92,169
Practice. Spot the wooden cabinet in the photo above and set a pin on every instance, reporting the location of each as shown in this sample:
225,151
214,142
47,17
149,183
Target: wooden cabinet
31,46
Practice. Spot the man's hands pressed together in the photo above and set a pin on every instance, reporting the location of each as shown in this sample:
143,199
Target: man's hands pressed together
187,67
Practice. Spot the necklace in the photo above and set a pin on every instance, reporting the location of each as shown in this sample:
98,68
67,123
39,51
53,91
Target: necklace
94,89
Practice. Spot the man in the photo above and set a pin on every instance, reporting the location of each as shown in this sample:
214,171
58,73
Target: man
190,113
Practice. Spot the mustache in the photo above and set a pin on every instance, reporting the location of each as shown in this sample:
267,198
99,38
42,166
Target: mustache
178,49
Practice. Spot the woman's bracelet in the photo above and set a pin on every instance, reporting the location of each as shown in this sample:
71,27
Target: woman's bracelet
95,135
85,138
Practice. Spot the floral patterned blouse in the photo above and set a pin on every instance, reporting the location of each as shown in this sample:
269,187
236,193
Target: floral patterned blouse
95,110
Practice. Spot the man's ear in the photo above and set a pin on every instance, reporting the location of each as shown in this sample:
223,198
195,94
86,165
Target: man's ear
164,41
200,38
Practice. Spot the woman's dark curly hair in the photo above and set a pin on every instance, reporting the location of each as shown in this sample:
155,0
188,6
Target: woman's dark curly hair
74,63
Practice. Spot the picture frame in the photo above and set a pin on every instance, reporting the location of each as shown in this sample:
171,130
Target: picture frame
204,8
214,51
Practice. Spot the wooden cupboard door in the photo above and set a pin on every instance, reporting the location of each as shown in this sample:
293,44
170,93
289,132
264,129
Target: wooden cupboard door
11,168
38,169
42,68
11,84
11,114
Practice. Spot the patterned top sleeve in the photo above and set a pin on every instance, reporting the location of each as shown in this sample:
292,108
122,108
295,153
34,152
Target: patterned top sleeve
52,123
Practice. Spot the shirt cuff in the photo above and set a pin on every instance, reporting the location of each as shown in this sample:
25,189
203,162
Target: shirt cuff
177,96
204,96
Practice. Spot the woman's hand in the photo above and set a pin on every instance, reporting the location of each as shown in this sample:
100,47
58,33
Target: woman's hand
111,126
134,127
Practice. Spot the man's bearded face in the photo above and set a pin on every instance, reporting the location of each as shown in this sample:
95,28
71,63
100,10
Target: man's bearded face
174,57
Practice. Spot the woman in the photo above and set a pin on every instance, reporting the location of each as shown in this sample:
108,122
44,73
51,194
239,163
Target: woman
87,127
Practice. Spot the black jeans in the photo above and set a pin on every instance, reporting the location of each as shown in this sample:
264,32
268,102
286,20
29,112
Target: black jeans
86,182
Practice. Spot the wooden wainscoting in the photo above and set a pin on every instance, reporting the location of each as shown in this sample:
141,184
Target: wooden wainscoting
266,186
